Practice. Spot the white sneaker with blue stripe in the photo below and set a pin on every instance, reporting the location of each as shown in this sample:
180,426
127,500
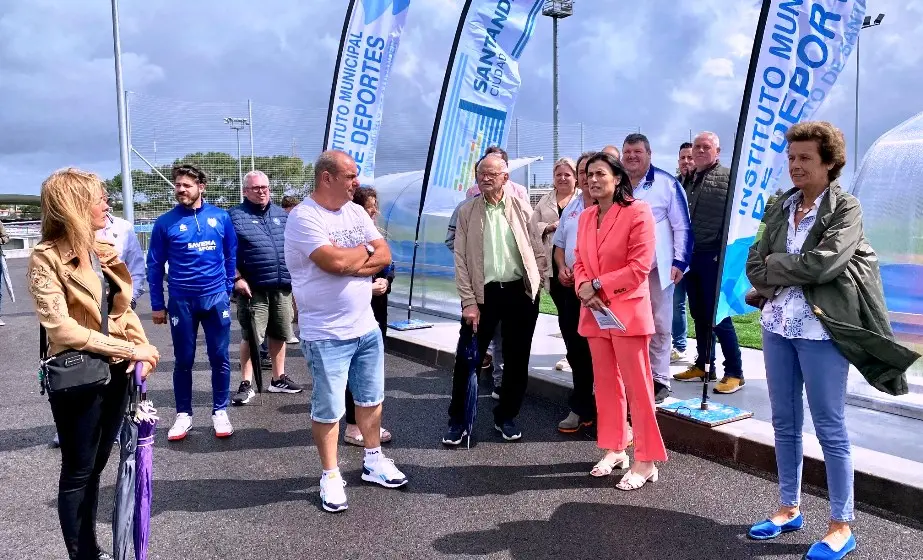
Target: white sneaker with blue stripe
332,494
383,472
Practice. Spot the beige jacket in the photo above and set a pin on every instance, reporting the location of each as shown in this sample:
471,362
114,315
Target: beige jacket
546,212
66,291
469,248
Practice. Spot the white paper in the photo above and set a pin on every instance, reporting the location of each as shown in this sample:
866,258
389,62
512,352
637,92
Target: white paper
607,320
663,258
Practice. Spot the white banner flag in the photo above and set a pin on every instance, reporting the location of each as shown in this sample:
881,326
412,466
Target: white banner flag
371,36
802,46
480,92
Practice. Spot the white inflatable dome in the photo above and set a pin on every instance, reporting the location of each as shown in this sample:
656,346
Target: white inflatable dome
890,187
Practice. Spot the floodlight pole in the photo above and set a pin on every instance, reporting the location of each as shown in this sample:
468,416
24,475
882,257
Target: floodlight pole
867,23
237,124
556,9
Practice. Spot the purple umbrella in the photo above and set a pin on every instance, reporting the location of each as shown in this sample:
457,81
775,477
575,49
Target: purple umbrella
146,418
471,399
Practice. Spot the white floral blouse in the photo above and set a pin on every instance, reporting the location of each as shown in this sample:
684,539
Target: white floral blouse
788,313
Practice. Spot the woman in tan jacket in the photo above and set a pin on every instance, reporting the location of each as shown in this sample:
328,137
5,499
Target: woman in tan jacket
544,223
66,271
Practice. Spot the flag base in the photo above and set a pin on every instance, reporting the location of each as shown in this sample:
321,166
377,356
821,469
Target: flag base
715,415
409,325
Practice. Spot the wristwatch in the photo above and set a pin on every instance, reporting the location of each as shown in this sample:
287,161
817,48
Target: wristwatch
369,249
597,285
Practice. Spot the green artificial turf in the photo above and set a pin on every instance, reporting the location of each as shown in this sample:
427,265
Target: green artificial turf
747,326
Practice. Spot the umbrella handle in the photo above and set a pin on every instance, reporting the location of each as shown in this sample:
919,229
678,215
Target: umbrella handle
138,379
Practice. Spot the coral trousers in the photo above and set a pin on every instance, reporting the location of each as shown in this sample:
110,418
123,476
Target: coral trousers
622,367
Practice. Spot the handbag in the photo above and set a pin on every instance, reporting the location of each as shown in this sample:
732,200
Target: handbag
73,370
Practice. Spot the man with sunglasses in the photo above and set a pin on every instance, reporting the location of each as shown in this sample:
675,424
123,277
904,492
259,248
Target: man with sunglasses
263,282
199,242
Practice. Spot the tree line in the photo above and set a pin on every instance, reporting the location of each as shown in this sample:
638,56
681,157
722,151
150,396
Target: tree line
287,175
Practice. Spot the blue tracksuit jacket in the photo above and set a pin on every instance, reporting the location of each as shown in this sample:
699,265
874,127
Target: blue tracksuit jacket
201,247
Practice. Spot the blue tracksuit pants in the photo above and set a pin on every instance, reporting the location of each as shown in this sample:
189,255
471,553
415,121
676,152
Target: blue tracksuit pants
213,312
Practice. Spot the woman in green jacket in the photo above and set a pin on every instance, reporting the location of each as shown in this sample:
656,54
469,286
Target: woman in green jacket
816,279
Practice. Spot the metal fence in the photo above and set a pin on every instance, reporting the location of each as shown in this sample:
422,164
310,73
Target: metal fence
228,139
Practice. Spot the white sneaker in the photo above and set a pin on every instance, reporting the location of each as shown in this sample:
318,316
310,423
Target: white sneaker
495,395
676,356
383,472
293,340
2,324
562,365
222,423
332,495
180,428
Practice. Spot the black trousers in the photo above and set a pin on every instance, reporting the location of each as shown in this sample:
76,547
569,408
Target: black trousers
582,401
701,280
508,304
380,310
87,422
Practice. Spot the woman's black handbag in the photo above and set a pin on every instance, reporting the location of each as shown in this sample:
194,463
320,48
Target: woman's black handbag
74,370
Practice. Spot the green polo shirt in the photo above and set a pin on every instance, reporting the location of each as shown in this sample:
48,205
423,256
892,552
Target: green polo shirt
502,261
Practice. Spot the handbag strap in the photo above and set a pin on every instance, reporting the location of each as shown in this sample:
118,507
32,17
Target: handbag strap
103,309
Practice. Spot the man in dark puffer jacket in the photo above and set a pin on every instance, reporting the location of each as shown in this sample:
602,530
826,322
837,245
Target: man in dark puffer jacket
263,282
707,189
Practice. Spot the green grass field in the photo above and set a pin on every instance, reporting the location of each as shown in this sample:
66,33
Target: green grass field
747,326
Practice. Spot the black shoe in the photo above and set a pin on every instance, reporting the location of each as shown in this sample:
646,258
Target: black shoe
243,394
509,430
284,385
454,435
661,392
265,362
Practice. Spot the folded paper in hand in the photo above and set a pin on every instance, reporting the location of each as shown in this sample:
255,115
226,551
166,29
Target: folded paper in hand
607,320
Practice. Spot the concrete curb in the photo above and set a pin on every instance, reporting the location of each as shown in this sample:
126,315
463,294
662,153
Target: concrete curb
882,481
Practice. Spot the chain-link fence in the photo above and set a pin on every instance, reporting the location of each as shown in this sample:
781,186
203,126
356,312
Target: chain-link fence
229,139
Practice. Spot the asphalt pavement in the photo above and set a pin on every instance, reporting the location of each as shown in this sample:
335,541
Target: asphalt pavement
255,495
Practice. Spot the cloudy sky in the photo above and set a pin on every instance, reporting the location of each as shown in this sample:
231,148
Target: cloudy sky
623,64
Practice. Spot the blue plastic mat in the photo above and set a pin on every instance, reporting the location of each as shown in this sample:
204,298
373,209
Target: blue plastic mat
717,413
409,325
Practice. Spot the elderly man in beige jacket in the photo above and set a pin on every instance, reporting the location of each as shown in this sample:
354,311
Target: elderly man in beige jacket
499,269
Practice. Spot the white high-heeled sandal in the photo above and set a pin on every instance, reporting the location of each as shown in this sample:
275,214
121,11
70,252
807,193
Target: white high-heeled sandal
605,468
634,481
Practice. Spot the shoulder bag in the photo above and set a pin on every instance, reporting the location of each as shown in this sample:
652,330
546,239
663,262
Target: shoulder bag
73,370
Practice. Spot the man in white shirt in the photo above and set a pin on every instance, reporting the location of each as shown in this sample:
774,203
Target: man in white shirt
667,200
332,250
121,233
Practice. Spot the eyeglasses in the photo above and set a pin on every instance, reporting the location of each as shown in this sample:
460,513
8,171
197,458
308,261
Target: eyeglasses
259,188
490,174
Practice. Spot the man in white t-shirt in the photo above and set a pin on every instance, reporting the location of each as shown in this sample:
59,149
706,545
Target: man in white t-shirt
332,250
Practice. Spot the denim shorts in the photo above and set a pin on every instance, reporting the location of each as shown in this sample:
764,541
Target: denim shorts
360,362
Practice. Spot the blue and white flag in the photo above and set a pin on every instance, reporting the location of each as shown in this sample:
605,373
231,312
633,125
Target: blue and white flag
479,93
371,35
801,48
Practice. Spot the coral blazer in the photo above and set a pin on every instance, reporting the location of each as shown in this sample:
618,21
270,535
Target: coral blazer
620,253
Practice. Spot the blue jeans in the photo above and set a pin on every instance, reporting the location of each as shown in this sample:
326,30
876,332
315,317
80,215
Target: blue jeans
213,312
821,369
679,316
358,363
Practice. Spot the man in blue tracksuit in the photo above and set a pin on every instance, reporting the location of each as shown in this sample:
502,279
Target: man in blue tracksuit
199,243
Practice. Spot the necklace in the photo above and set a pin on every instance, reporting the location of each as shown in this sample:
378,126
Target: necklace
805,210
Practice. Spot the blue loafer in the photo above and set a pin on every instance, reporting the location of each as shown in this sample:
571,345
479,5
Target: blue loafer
822,551
765,530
